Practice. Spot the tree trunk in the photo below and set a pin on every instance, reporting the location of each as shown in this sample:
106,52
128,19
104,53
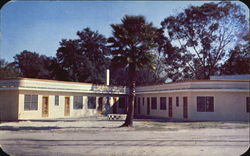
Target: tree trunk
131,98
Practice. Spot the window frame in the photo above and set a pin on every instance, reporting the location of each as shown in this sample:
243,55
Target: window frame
90,104
56,100
77,102
163,103
205,104
30,104
153,103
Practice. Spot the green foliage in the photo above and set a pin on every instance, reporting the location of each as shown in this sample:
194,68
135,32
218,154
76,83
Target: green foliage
239,59
33,65
84,59
132,44
201,37
8,70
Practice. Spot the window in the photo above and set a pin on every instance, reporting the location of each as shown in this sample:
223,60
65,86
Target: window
248,104
30,102
153,103
91,102
177,101
56,100
135,104
163,103
121,102
143,101
139,105
205,104
77,102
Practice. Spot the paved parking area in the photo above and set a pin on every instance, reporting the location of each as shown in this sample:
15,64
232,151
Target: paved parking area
98,136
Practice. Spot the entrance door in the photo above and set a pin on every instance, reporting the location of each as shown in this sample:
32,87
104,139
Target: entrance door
100,105
45,106
170,111
67,106
148,105
185,108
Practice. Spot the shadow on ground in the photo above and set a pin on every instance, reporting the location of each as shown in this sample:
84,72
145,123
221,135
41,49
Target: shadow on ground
12,128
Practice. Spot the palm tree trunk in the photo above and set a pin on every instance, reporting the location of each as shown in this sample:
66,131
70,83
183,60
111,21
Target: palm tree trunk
131,100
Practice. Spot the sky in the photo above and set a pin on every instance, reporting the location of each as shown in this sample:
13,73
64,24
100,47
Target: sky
39,26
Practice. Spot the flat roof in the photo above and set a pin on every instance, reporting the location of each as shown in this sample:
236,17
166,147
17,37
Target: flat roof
48,80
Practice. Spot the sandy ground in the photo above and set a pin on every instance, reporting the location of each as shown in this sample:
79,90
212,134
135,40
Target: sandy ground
97,136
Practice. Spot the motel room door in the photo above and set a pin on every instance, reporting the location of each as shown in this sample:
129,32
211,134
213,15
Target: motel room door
100,105
148,106
45,106
67,106
170,111
185,108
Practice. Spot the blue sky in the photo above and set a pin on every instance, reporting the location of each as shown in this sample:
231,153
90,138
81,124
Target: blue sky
40,26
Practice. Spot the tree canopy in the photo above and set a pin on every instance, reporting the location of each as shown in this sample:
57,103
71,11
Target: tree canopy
203,34
84,59
33,65
8,70
195,43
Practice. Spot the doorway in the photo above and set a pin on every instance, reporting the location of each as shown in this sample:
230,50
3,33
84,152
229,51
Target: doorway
100,105
170,109
185,108
45,106
67,106
148,106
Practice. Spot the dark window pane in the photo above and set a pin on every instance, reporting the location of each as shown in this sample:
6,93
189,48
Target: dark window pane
27,98
56,100
209,104
27,106
77,102
163,103
153,103
30,102
201,103
91,102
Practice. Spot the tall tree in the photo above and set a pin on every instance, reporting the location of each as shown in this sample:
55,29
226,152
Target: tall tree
239,58
84,59
204,35
33,65
8,70
132,44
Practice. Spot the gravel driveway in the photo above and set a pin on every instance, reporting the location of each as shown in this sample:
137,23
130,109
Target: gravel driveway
100,137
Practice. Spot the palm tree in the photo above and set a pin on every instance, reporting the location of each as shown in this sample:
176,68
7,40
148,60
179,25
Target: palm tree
132,46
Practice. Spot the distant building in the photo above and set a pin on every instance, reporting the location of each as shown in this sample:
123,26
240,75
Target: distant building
231,77
205,100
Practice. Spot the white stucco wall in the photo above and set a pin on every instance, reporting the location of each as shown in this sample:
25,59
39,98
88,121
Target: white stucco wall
8,105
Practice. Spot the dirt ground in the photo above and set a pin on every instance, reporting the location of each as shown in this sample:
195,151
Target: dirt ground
100,137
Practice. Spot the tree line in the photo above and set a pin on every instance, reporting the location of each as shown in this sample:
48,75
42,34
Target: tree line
200,41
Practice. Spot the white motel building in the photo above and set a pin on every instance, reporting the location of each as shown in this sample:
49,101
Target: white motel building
218,99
